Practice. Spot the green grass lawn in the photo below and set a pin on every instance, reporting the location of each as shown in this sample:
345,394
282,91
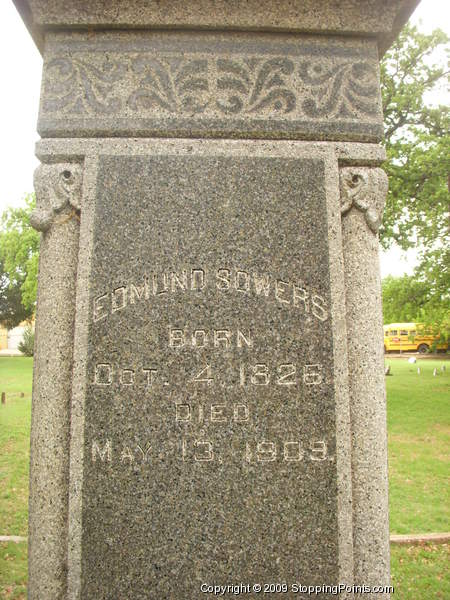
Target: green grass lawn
419,447
420,572
15,377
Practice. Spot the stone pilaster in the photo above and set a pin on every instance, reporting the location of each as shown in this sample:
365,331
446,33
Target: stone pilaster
58,193
363,194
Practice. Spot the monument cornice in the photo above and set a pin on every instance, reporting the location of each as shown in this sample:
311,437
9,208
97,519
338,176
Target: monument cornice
381,19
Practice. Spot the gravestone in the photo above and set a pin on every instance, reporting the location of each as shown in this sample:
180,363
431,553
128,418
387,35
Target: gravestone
208,402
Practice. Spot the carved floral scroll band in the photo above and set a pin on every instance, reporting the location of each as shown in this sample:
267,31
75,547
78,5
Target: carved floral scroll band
229,86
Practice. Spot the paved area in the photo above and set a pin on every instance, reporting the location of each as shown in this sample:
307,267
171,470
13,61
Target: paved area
408,539
10,352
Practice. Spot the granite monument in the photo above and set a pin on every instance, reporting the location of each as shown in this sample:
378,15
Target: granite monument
208,403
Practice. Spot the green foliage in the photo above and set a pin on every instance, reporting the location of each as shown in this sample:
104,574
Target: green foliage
418,151
417,141
12,311
411,299
403,297
19,253
435,271
26,346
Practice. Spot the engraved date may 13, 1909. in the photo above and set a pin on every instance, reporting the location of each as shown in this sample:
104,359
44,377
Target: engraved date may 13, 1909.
293,451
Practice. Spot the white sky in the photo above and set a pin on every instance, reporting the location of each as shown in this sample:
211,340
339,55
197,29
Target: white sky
19,102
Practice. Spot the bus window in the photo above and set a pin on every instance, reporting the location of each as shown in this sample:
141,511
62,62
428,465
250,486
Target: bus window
404,332
393,332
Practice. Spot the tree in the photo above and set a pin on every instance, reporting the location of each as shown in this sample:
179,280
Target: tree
434,271
26,346
19,255
406,299
418,165
12,311
403,298
417,142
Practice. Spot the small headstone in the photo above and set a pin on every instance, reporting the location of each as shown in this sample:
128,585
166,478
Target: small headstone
418,370
434,372
387,370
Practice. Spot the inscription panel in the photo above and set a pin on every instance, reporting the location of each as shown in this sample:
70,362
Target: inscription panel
209,418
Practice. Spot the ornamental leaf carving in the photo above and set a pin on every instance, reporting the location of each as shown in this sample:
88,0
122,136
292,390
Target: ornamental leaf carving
174,86
339,90
82,86
252,86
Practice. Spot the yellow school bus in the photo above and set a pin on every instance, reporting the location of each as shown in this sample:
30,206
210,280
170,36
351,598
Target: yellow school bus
399,337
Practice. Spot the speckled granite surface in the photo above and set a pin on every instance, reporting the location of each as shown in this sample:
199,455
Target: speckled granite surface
380,18
122,332
200,298
247,85
209,417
